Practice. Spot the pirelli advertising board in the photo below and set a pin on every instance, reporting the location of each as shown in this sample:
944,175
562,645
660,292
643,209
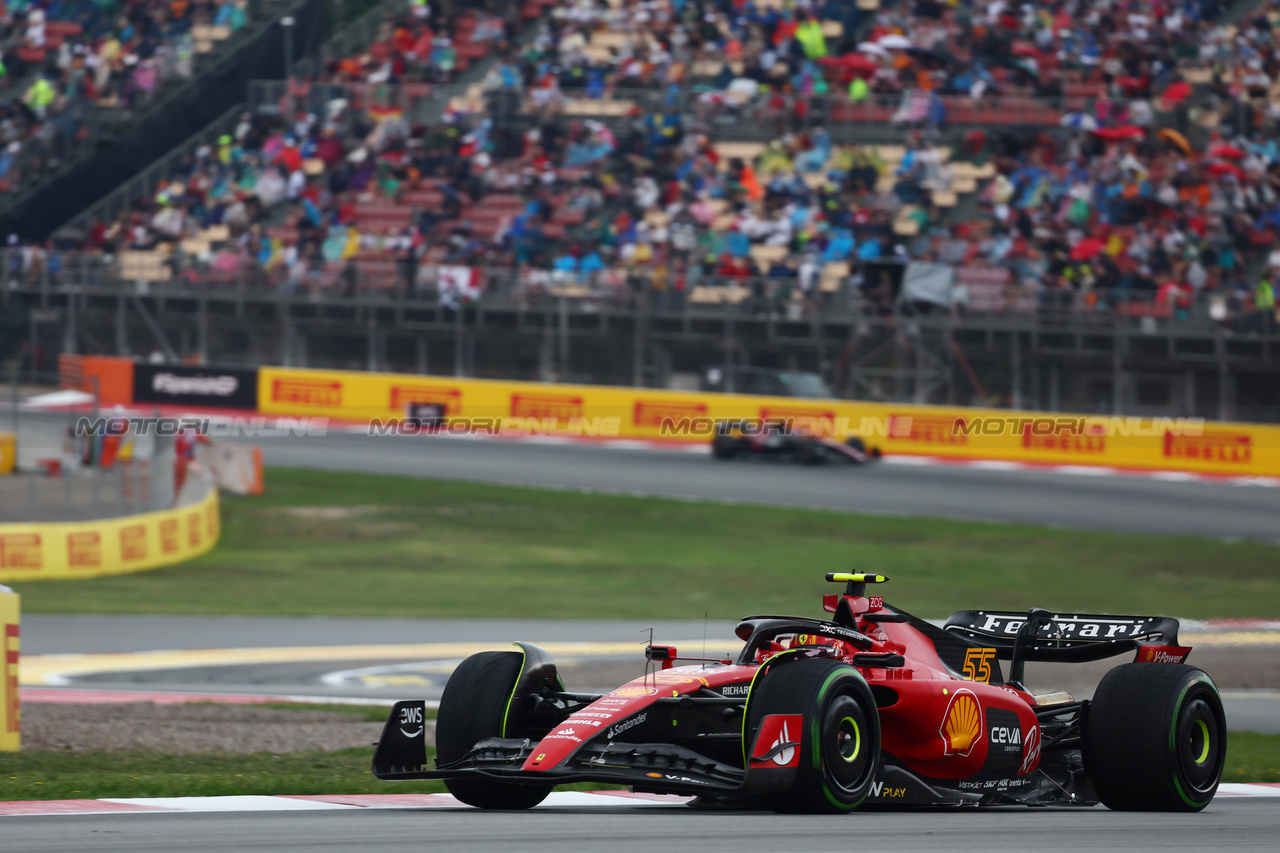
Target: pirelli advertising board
114,546
388,400
10,709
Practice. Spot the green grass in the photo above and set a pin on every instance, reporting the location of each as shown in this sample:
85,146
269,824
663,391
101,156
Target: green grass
413,547
90,775
1252,757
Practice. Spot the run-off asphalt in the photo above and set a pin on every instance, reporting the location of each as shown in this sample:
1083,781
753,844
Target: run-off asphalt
1238,826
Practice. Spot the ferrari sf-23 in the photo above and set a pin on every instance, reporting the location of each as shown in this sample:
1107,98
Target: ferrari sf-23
873,706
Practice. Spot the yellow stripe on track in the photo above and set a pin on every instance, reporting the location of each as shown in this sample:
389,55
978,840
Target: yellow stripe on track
56,669
1232,638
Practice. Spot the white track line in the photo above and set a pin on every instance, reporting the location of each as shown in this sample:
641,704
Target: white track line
336,802
227,804
558,799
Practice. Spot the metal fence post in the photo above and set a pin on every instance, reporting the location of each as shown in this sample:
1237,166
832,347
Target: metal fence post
14,397
95,458
457,342
564,338
65,474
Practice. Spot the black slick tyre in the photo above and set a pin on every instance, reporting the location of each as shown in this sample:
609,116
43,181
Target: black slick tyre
724,447
1155,738
839,742
473,707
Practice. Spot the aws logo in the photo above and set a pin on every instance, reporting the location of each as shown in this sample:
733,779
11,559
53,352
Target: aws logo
961,724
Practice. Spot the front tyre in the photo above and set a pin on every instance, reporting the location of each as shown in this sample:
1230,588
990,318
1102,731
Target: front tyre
1156,738
473,707
840,739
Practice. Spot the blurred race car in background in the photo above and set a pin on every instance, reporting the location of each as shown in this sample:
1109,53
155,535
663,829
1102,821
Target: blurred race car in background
875,706
784,440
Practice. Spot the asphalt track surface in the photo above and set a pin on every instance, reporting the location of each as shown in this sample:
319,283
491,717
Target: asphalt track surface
1240,826
1082,500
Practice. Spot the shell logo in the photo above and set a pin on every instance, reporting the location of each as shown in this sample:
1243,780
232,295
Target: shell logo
634,691
962,724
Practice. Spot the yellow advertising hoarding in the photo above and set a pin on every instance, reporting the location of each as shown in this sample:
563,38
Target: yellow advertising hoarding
112,546
1171,444
8,452
10,709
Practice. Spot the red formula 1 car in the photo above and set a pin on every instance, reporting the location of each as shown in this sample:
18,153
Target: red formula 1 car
874,706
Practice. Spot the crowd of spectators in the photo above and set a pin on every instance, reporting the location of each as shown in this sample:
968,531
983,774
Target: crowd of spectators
62,61
1110,212
1120,48
647,206
429,43
1093,216
641,204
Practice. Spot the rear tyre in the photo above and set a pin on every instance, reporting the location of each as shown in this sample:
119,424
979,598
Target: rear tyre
840,736
474,707
723,447
1155,738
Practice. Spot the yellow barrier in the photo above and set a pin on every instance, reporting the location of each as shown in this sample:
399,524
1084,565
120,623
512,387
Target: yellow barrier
10,710
949,432
112,546
8,452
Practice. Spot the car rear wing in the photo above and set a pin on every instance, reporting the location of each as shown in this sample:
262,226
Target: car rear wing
1039,635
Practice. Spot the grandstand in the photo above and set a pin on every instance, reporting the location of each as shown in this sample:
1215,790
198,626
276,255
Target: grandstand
922,201
79,68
